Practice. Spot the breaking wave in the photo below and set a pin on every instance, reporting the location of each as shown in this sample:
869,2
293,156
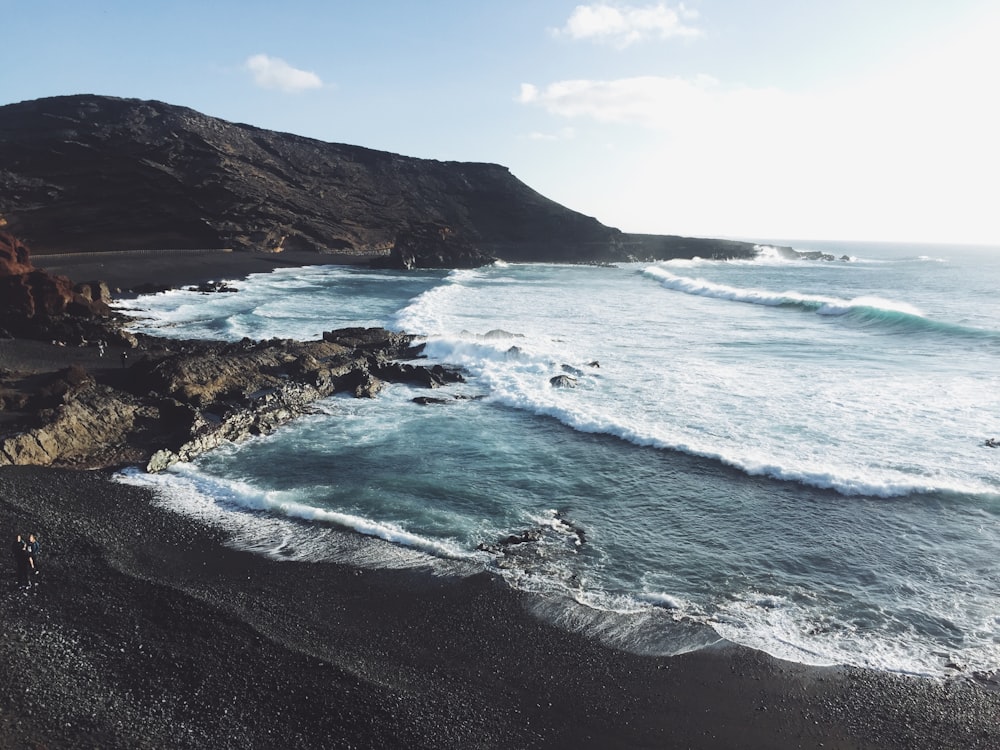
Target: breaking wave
890,316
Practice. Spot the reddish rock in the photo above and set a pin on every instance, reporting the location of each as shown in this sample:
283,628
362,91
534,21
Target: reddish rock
28,292
14,256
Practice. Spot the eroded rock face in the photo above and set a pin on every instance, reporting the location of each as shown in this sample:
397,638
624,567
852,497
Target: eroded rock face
26,291
94,427
33,302
431,245
179,399
14,256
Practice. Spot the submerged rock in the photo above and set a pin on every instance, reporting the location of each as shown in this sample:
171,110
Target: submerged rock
562,381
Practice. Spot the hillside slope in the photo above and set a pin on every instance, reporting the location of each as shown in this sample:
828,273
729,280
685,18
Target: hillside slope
94,173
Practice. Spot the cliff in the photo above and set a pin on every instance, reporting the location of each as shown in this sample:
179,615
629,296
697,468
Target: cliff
91,173
29,295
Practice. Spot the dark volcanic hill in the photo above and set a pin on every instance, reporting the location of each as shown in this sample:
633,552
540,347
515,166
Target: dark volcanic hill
92,173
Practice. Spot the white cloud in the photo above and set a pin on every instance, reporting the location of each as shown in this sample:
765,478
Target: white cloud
622,25
274,73
907,154
654,101
563,134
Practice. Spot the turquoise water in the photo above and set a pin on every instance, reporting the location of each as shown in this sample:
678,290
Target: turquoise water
785,454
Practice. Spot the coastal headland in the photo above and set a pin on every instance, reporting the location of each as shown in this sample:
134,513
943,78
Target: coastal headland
150,630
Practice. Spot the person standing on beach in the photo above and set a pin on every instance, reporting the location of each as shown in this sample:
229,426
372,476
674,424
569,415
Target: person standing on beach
21,563
34,552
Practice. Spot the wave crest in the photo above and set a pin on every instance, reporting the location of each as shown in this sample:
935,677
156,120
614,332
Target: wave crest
867,311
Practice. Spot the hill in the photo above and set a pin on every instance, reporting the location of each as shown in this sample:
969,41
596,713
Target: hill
89,173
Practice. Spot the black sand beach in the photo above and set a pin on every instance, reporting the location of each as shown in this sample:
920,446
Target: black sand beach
147,631
123,271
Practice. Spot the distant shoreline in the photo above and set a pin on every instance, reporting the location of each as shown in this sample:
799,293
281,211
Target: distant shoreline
127,270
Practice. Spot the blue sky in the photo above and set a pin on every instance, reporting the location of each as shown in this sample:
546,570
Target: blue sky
777,119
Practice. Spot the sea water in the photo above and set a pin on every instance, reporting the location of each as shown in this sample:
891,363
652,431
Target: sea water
788,454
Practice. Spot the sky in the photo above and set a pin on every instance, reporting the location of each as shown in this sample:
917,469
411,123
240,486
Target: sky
777,119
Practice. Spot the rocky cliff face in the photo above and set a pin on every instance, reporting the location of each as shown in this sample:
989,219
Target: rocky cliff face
30,298
91,173
23,289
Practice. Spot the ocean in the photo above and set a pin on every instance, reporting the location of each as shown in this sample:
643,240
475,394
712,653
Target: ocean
786,454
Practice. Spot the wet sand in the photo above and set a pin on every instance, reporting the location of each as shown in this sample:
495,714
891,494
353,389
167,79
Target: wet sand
147,631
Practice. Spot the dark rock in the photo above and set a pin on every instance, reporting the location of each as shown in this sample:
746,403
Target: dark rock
551,547
562,381
34,303
370,339
14,256
213,286
814,255
150,288
177,399
428,400
433,246
94,291
432,377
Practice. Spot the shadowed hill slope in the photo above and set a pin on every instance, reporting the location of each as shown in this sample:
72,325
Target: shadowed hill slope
94,173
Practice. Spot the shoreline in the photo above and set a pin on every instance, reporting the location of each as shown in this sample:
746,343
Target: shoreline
148,630
123,271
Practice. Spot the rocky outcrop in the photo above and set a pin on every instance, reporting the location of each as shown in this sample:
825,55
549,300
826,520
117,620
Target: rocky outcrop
93,173
94,426
550,548
179,399
35,304
562,381
433,246
26,291
14,256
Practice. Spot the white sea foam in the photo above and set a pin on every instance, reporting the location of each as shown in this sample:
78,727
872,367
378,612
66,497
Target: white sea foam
661,599
424,315
298,303
522,382
693,417
229,505
624,622
821,304
869,302
808,635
